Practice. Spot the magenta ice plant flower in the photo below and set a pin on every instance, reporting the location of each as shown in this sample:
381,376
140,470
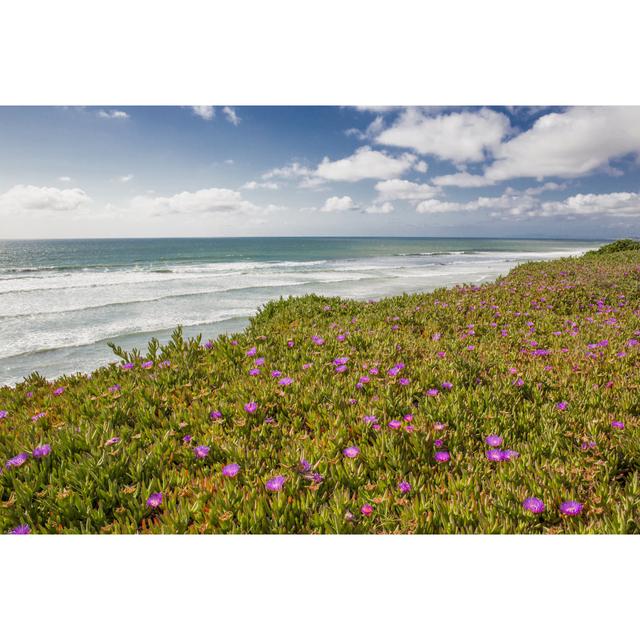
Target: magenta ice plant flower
617,424
366,510
394,424
17,461
215,415
113,440
59,391
571,508
3,414
495,455
561,406
351,452
404,487
285,382
534,505
154,500
21,530
41,452
442,456
231,470
201,451
493,440
275,484
250,407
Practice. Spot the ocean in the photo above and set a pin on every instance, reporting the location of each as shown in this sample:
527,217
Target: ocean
61,301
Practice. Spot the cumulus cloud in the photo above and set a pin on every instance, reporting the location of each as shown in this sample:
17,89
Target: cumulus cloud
460,136
204,112
374,128
231,116
293,170
113,114
65,178
573,143
397,189
365,163
253,184
621,203
202,202
336,203
126,178
21,198
525,203
385,207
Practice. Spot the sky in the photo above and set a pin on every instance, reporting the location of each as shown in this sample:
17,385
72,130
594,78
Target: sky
120,171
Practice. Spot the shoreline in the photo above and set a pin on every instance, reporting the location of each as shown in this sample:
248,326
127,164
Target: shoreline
328,415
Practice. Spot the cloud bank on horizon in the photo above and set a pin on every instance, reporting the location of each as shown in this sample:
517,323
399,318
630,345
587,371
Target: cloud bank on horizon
235,171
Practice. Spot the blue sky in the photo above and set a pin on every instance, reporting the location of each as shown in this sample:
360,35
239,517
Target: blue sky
119,171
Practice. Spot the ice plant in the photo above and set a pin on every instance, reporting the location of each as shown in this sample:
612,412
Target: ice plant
571,508
534,505
250,407
215,415
404,487
154,500
59,391
3,414
366,510
351,452
442,456
617,424
111,441
201,451
231,470
21,530
275,484
17,461
495,455
493,440
41,452
285,382
561,406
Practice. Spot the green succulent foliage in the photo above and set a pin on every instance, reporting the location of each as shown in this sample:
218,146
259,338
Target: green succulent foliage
562,331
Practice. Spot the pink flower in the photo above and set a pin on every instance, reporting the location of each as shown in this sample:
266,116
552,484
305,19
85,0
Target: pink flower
250,407
366,510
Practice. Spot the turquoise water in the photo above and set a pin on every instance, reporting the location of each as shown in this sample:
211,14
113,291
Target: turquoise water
61,301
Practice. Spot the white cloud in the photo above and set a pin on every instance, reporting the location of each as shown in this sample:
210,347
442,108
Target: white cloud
21,198
204,112
113,114
229,161
385,207
293,170
615,204
64,179
126,178
202,202
397,189
231,116
462,179
374,128
421,167
260,185
460,137
335,203
524,203
575,142
365,163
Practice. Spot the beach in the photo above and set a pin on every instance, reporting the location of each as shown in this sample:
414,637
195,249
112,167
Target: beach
62,301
